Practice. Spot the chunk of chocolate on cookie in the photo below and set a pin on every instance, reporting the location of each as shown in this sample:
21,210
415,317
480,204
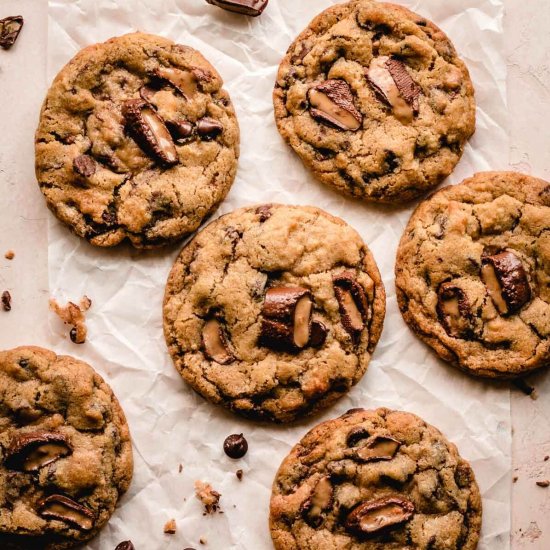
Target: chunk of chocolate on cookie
393,84
506,281
331,102
149,131
286,322
216,343
321,499
378,448
62,508
454,311
377,515
85,166
352,302
185,82
208,128
10,27
28,452
253,8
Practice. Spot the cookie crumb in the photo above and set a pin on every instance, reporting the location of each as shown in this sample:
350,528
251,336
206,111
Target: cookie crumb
6,300
239,474
180,469
208,496
170,527
9,255
545,483
202,540
546,458
514,479
72,314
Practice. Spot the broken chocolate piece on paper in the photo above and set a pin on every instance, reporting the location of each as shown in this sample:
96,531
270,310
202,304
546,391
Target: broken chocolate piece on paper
10,27
254,8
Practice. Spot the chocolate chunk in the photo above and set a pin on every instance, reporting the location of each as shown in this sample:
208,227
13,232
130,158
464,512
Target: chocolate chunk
149,131
28,452
125,545
377,515
6,300
377,448
63,508
185,82
357,434
235,446
215,342
208,128
286,318
244,7
331,102
181,130
264,212
352,301
10,27
319,501
506,281
453,311
394,85
85,166
318,335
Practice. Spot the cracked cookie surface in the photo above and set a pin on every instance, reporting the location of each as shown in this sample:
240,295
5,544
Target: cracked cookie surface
65,451
473,274
137,140
274,311
375,101
373,480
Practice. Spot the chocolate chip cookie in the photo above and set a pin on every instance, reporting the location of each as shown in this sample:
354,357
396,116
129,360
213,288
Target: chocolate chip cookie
65,451
137,140
473,274
274,311
375,101
372,480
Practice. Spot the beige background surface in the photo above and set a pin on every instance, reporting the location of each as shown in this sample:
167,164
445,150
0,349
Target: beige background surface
23,217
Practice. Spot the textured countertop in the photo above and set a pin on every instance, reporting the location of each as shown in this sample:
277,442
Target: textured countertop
24,218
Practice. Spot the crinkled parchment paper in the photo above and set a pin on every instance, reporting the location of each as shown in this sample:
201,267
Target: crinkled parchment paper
170,424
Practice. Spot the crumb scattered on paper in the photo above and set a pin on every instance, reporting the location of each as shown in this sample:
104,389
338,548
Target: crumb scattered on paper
170,527
9,255
6,300
544,483
180,469
202,540
74,315
515,478
208,496
239,474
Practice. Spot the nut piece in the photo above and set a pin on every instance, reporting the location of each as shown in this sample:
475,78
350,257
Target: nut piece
125,545
245,7
376,515
149,131
453,311
378,447
235,446
331,102
185,82
320,500
170,527
352,301
506,280
28,452
6,300
394,85
208,128
10,27
85,166
207,495
287,318
215,342
63,508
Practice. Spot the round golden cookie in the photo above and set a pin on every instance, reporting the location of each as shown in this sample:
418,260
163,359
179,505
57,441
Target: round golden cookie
274,311
65,451
375,101
137,140
375,480
473,274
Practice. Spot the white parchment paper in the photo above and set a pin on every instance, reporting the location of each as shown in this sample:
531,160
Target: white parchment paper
170,424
